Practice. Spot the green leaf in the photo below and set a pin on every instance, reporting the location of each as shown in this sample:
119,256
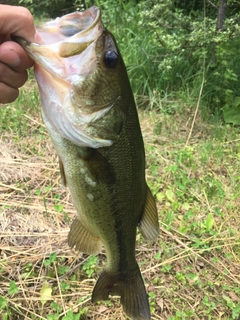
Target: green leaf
236,311
64,286
209,222
157,255
170,195
38,192
13,288
231,114
3,303
51,259
160,196
45,293
71,316
53,316
58,207
56,307
90,263
236,102
192,276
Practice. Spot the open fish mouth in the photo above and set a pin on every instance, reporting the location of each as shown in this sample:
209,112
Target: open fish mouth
75,30
67,37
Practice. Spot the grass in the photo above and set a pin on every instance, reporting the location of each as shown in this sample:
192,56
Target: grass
191,272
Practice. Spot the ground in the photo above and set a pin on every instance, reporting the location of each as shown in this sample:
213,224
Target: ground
191,272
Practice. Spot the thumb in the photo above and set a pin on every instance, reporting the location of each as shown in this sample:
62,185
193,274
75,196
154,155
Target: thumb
17,21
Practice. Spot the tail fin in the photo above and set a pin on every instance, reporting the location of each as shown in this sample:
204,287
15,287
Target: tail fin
129,287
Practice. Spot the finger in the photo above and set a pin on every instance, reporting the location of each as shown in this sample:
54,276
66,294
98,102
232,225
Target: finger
17,21
14,56
12,78
8,94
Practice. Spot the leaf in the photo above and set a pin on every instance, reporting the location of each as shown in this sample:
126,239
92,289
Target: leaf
160,196
13,288
71,316
170,195
90,263
157,255
58,207
236,311
45,293
160,303
52,258
3,303
209,222
53,316
236,102
231,114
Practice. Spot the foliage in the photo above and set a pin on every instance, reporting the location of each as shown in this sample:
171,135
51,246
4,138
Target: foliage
186,46
170,48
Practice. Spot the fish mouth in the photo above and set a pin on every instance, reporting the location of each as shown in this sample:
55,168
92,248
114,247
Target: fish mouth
80,23
68,45
68,35
73,32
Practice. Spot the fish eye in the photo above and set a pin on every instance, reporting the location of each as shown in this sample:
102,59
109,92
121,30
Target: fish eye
110,59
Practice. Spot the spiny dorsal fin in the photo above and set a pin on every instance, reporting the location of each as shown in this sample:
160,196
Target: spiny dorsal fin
82,239
149,225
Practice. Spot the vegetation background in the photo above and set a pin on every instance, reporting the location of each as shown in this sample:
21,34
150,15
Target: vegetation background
182,58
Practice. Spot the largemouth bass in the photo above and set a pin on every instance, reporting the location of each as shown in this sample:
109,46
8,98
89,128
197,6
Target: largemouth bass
89,111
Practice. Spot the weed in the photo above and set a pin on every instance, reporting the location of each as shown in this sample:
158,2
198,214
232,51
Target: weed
90,265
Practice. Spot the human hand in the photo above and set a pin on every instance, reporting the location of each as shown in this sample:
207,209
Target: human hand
14,61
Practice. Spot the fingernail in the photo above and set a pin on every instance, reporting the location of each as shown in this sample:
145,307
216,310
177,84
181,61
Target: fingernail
15,59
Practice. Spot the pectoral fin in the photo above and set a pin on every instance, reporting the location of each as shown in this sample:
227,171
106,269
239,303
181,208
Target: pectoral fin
100,168
82,239
149,225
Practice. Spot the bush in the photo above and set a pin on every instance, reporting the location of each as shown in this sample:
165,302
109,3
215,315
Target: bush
168,45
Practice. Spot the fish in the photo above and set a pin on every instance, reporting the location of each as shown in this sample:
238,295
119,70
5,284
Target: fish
89,111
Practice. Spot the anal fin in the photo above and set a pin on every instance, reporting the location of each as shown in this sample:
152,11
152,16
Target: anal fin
82,239
149,225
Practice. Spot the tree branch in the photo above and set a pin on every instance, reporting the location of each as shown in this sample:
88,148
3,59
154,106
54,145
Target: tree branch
212,4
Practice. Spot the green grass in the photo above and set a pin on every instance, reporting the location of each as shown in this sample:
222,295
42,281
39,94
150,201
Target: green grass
191,272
